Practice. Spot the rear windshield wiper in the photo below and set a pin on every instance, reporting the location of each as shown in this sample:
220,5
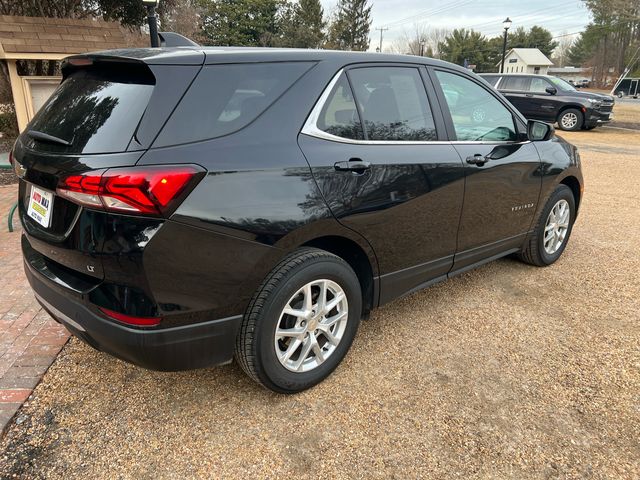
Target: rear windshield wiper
45,137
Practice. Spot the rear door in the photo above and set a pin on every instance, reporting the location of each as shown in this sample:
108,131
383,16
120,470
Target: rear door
377,150
515,88
544,106
502,170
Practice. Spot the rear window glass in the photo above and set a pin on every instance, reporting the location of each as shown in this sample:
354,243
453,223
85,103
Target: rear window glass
225,98
518,84
92,112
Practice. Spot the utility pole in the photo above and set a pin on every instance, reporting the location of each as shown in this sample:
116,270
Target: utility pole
382,29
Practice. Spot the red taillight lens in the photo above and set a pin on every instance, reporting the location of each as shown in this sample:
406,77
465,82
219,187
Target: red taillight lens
129,320
11,158
145,190
80,62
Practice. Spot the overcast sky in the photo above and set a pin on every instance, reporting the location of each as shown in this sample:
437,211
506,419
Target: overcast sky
486,16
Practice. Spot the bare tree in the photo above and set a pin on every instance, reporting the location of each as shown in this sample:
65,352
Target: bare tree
561,53
183,18
421,40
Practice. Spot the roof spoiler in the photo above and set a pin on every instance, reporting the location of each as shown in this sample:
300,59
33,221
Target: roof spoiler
170,39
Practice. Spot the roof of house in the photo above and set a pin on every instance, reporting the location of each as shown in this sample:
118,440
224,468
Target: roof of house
530,56
39,35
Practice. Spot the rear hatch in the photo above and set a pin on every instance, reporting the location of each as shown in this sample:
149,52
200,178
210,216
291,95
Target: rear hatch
105,114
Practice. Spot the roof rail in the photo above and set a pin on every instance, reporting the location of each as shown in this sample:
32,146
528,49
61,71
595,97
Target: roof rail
170,39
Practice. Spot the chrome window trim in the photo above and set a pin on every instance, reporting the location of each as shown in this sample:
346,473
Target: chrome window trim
311,129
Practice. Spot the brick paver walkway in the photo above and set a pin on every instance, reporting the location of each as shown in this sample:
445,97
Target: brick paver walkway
29,338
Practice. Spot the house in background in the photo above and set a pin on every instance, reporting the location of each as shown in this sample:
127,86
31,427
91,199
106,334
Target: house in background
38,39
525,60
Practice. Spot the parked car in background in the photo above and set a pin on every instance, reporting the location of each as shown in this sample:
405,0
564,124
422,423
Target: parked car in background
182,206
551,99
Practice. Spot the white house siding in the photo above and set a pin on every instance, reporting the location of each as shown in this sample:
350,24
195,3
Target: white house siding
513,63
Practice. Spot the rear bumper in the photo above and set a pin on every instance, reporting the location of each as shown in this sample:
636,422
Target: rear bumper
177,348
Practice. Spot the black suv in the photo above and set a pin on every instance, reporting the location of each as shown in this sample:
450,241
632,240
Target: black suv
185,205
551,99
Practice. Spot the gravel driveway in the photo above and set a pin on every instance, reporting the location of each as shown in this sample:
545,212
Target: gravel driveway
509,371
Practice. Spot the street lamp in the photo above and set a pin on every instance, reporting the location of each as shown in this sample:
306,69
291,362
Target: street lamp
422,45
506,25
153,21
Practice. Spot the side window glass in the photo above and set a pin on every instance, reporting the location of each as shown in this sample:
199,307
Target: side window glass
516,84
226,98
538,85
476,114
394,104
339,115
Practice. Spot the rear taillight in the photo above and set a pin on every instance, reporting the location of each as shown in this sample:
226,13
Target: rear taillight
11,157
154,190
130,320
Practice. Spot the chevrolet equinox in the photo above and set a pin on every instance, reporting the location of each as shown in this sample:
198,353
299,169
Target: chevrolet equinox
185,206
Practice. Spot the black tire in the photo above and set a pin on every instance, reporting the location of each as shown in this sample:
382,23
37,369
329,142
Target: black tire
255,350
534,252
565,115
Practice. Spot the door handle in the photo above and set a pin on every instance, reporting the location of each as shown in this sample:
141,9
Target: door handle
353,165
477,159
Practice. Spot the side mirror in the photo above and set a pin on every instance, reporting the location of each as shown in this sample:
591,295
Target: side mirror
540,131
551,90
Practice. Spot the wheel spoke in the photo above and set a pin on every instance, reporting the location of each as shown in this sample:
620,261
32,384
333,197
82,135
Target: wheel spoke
296,313
322,298
308,298
293,346
315,346
334,302
290,332
304,353
327,323
331,338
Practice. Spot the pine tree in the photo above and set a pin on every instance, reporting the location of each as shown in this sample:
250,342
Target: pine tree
239,22
350,27
303,25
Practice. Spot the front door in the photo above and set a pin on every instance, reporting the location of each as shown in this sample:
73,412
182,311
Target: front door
376,155
502,171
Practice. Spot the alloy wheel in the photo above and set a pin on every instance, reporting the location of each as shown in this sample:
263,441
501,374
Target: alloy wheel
569,120
311,325
557,226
